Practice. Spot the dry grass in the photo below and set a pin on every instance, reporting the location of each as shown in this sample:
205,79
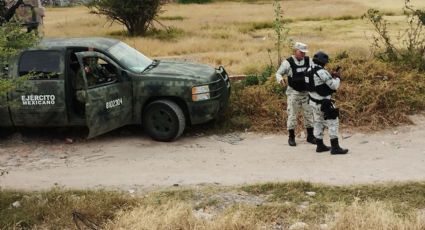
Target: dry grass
216,35
377,216
261,206
373,95
179,215
352,208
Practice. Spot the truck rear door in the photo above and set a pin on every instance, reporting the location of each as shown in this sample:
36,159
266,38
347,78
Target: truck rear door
108,93
39,98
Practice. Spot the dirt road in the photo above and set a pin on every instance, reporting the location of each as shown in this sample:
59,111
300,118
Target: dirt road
132,161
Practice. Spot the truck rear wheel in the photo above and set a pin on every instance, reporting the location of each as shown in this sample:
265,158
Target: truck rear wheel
164,120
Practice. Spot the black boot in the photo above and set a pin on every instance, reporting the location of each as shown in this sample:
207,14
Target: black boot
336,149
310,137
291,140
321,147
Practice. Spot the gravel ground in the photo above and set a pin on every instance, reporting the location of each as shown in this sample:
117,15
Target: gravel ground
131,161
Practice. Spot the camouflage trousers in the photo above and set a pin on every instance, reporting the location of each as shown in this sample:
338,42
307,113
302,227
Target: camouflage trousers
297,102
320,123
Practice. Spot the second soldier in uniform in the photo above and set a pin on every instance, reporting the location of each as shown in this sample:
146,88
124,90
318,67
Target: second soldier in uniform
322,85
294,68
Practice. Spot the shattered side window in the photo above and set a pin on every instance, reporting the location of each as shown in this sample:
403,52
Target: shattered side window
40,64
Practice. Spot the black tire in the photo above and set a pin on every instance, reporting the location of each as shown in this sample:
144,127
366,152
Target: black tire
164,120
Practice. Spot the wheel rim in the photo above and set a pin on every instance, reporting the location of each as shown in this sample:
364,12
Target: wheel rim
162,121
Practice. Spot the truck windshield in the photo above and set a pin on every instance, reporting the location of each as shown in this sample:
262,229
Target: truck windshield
129,57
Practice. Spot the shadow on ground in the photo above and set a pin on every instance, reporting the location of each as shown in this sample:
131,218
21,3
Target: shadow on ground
79,134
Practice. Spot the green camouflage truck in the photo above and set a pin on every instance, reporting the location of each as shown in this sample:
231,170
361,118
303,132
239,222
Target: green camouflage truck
105,84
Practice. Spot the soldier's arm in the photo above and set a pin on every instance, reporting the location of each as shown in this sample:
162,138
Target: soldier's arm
333,83
312,65
283,70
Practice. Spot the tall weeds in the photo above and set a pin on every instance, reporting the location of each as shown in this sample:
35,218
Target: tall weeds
408,48
373,95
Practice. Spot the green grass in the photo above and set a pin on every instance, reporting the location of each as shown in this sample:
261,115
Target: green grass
172,18
410,194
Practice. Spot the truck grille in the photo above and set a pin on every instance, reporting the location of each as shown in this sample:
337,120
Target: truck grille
219,86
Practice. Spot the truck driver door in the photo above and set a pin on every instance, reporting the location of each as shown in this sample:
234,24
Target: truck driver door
107,93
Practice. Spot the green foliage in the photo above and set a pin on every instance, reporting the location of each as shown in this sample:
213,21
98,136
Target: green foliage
256,79
13,38
411,194
194,1
280,29
172,18
412,51
251,80
136,15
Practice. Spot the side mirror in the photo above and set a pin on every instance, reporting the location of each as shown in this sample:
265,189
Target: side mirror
124,75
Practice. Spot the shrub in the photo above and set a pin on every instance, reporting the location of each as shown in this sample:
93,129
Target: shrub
13,38
136,15
373,95
172,18
412,51
251,80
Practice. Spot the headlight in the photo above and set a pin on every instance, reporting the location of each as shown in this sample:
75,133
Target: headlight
200,93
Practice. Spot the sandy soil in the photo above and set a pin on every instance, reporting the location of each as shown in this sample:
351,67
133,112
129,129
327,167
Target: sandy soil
134,161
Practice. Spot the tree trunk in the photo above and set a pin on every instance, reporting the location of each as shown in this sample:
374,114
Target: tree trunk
11,11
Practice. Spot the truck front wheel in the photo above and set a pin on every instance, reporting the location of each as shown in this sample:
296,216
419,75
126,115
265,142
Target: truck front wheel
163,120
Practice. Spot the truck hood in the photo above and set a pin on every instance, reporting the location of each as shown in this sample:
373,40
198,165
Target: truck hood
184,70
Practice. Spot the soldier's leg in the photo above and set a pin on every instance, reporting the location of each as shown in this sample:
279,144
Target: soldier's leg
307,112
333,126
319,122
292,110
319,127
308,119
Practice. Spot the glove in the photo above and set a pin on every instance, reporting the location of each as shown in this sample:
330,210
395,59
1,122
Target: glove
335,74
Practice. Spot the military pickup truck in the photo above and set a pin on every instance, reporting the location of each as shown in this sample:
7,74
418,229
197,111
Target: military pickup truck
105,84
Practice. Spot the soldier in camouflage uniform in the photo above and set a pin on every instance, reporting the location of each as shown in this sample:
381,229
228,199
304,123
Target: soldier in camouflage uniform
94,73
322,85
294,67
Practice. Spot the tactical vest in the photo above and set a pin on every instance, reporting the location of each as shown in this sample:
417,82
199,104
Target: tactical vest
297,80
322,89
